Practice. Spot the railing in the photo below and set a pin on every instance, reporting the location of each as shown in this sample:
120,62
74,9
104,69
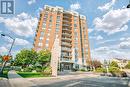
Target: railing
65,48
67,34
63,43
66,17
66,60
66,29
66,39
68,25
68,21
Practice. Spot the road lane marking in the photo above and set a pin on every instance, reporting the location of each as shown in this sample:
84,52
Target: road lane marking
72,84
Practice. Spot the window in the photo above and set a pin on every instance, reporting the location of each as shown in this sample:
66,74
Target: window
49,29
58,17
76,39
44,25
57,29
41,38
48,34
75,25
47,41
58,21
57,25
75,34
40,44
42,34
50,25
47,45
50,19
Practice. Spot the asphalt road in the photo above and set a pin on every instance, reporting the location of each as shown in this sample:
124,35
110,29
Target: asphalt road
85,82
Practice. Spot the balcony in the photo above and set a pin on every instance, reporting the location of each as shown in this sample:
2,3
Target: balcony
66,25
65,49
66,34
66,60
67,21
66,39
66,17
66,56
66,44
67,30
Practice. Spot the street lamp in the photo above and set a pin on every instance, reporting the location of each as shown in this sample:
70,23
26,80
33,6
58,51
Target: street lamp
1,72
128,6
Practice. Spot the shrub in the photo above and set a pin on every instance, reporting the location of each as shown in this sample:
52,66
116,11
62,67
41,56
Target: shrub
18,69
114,71
47,71
74,69
38,69
123,74
28,69
83,70
101,70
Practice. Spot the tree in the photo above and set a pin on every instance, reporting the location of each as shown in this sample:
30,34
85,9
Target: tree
26,57
97,64
44,57
1,58
128,65
113,64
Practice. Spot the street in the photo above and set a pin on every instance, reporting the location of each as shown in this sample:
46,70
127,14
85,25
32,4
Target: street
85,79
83,82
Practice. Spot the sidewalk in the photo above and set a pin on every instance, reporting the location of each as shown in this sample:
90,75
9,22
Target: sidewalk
4,83
16,80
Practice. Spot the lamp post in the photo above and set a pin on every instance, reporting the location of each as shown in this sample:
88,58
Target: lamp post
128,6
1,72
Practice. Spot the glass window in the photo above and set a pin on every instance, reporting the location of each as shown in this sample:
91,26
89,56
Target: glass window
41,38
75,34
57,25
57,29
42,34
44,25
58,17
47,41
75,25
40,44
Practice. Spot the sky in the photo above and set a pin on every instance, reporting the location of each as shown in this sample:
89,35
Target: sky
108,25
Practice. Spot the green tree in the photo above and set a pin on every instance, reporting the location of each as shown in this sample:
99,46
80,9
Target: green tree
128,65
26,57
44,57
113,64
0,58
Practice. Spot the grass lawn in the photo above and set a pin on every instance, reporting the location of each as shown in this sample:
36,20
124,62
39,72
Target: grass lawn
5,74
31,74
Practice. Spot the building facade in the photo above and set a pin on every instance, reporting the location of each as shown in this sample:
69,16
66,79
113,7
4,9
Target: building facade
72,32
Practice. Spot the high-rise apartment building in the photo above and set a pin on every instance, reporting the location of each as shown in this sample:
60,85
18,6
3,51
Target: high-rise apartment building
72,32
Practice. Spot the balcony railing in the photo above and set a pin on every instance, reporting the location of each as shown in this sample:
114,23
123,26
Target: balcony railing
64,43
66,29
66,49
66,34
66,17
66,60
67,21
67,39
68,25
